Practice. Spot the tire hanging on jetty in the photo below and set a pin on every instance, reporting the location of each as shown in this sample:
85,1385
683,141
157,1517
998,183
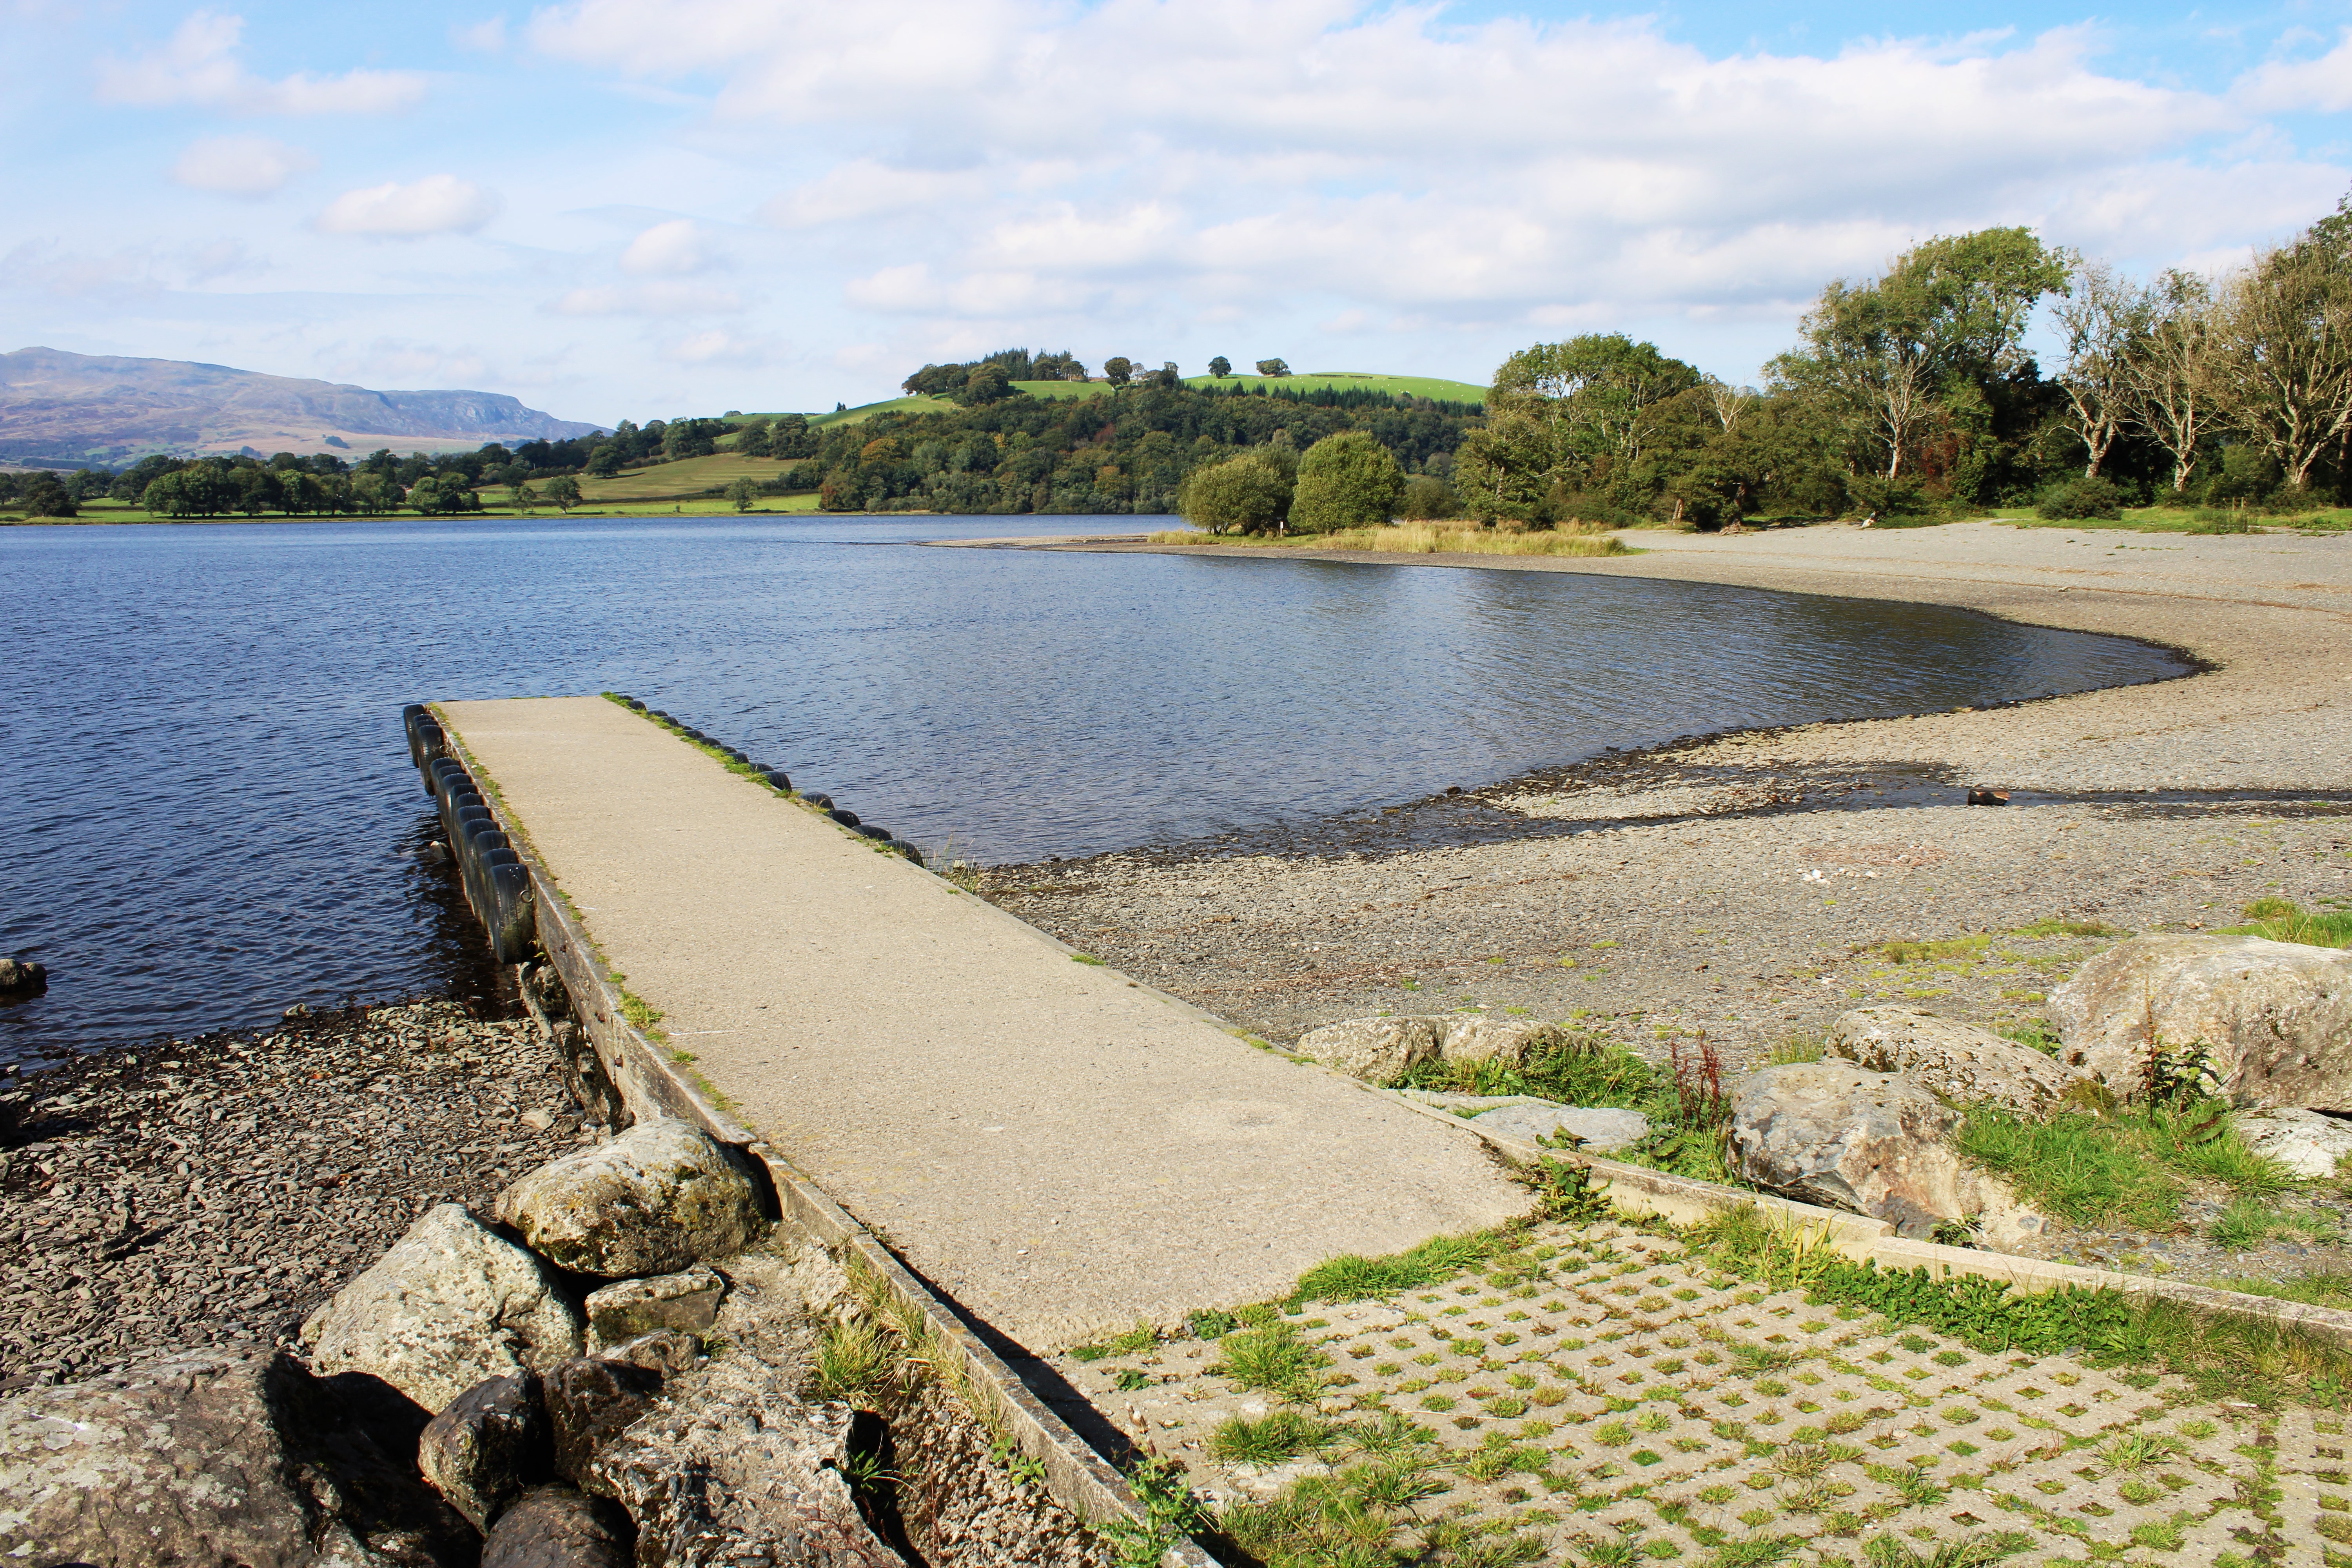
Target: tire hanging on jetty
497,883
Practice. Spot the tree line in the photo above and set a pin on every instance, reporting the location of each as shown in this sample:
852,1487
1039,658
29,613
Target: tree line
1914,392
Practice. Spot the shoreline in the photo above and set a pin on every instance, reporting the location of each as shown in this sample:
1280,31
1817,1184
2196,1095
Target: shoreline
1750,886
2242,745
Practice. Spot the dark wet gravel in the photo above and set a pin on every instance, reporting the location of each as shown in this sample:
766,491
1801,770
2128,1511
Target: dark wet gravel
214,1192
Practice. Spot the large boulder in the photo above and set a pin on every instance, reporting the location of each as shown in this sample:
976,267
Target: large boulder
1506,1040
738,1469
661,1195
1958,1061
1832,1133
452,1304
590,1401
1378,1050
1600,1130
556,1527
204,1459
2307,1142
687,1302
2275,1019
488,1448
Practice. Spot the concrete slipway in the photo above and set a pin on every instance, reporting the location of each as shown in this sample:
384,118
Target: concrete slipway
1060,1151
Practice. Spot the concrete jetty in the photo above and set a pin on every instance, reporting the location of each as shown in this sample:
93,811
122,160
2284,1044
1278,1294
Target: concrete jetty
1059,1150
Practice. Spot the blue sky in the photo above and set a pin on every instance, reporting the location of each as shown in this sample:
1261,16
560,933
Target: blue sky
637,208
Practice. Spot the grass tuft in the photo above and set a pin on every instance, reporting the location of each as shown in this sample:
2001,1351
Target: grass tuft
2283,921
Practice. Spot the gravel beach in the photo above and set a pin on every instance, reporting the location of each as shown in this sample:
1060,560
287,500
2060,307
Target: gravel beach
213,1191
1744,885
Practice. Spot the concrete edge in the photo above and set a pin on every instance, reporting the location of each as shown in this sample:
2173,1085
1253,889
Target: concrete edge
1077,1477
1637,1190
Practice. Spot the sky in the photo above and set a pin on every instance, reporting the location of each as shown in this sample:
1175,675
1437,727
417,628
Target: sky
642,208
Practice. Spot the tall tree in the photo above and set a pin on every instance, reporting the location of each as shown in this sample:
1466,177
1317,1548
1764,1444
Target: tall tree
2175,370
1220,367
1118,369
1886,351
2106,319
1589,393
2288,353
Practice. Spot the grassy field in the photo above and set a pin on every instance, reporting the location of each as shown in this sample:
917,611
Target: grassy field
1345,381
2182,520
683,481
917,404
494,504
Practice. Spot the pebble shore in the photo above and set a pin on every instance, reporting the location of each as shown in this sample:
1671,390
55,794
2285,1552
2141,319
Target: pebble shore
214,1192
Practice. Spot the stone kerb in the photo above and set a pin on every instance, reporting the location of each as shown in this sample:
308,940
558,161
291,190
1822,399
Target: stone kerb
650,1086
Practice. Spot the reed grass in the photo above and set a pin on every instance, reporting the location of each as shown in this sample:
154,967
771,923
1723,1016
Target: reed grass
1416,539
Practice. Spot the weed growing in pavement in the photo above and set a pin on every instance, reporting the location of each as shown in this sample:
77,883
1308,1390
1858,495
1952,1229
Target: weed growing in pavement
1282,1436
1273,1358
1360,1515
1352,1278
1972,1551
851,1359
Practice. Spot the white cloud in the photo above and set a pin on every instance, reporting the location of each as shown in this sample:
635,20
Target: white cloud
649,299
241,165
484,37
437,203
199,67
668,249
720,347
859,189
2325,83
1375,165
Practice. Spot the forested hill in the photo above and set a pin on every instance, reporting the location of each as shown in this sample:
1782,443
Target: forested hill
1127,451
94,408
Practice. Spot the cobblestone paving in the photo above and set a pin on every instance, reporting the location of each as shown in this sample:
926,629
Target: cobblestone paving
1600,1397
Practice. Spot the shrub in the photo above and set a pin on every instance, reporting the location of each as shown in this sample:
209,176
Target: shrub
2081,499
1346,480
1428,498
1867,495
1248,494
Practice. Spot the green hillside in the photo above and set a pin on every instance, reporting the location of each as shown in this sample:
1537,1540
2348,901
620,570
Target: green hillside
1435,388
1429,387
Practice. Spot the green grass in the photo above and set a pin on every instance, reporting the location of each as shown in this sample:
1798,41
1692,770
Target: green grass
1282,1436
917,403
2180,519
2224,1355
2068,928
2131,1168
1433,387
1273,1358
2283,921
685,479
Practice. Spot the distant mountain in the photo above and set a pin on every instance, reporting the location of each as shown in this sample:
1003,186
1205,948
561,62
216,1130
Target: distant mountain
58,406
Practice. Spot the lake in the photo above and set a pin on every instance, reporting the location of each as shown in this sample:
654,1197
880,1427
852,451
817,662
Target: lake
214,816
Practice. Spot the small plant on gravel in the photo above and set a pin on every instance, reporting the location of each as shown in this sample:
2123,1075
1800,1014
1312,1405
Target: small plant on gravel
1170,1513
2068,928
2283,921
851,1359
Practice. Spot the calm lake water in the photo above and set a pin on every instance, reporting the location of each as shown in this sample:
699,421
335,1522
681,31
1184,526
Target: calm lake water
212,814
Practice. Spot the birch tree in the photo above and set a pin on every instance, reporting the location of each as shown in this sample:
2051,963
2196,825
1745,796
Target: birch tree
2287,360
2175,369
2106,319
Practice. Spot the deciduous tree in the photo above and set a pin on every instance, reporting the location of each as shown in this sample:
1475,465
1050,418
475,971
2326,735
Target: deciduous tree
1346,480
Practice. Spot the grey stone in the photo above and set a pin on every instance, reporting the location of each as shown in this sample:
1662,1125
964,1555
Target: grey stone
738,1469
2274,1017
1472,1102
1962,1063
1378,1050
1602,1129
590,1401
2305,1142
556,1527
177,1462
1506,1040
488,1448
1832,1133
658,1197
203,1459
687,1301
451,1304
